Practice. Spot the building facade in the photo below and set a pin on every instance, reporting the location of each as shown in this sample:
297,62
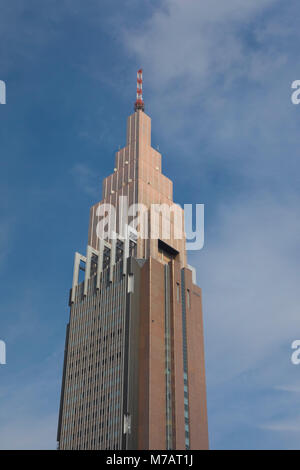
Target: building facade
134,371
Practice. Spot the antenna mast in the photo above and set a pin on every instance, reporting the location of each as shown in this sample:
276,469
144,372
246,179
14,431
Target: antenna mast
139,104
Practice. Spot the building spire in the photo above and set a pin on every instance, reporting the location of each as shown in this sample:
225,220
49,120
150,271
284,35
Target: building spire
139,104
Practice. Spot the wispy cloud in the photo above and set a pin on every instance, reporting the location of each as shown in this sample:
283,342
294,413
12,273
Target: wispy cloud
292,425
218,78
86,179
29,418
248,271
249,274
6,230
195,41
289,388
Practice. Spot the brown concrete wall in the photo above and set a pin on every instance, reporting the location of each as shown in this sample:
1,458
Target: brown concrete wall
196,367
157,380
152,379
144,340
178,390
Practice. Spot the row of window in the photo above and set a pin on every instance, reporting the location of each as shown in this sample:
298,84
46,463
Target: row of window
80,339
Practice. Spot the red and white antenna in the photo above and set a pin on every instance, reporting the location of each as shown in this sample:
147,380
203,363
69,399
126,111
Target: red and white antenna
139,104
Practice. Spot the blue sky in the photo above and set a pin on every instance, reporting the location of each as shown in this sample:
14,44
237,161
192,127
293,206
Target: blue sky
217,79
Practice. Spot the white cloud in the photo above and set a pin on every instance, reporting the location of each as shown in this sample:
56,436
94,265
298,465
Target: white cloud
86,179
292,425
220,82
194,40
249,274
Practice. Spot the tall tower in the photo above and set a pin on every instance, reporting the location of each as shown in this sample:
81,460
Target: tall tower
134,373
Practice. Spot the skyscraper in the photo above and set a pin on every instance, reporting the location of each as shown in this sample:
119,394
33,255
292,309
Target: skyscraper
134,373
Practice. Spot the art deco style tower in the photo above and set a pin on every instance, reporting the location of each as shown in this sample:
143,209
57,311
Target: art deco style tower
134,375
